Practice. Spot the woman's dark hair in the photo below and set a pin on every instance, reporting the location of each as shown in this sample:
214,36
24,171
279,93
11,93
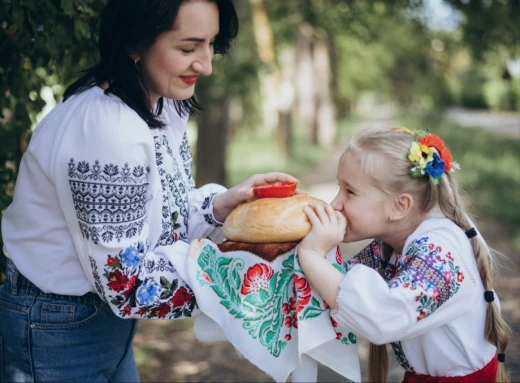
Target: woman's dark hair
127,26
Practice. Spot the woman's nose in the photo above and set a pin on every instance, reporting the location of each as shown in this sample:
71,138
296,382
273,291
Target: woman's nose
203,64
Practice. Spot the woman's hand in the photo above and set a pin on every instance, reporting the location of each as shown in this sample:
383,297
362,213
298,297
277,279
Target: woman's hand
225,203
328,230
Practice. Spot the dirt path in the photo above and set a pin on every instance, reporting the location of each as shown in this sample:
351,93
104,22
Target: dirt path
169,352
502,123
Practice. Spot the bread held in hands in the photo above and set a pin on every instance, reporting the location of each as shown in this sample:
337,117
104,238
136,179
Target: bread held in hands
269,220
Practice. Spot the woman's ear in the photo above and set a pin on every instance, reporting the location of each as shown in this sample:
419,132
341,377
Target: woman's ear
402,206
135,56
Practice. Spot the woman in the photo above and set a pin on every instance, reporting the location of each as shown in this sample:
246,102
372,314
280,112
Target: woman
105,201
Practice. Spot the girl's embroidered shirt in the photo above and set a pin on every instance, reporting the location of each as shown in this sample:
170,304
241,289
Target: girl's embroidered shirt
430,306
103,203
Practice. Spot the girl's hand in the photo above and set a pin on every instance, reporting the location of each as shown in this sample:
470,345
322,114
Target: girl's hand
328,229
223,204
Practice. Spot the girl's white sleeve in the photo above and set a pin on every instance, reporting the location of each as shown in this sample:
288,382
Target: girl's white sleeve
428,291
110,193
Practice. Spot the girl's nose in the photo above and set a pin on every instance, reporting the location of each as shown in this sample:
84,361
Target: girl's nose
336,203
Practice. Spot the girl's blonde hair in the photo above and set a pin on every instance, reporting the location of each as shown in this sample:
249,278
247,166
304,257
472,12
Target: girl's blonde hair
384,158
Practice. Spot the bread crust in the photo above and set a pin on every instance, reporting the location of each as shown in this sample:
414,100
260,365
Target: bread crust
269,220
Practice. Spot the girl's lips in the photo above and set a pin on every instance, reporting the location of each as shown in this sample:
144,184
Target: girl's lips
190,80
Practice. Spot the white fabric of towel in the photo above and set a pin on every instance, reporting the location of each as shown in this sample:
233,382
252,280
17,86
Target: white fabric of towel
269,312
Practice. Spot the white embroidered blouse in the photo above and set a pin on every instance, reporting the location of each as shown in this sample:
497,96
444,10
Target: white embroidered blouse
430,306
103,203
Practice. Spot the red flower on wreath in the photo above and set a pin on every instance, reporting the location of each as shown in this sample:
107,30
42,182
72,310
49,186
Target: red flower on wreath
257,277
181,297
117,281
161,310
430,140
447,158
303,292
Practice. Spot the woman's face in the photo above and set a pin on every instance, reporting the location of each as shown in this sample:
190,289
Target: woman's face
364,206
170,66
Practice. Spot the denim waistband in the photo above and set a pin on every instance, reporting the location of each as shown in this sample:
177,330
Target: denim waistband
17,284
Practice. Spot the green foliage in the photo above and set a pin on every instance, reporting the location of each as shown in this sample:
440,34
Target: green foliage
41,43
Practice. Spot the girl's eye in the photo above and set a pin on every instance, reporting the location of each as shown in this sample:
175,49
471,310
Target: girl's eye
188,50
350,192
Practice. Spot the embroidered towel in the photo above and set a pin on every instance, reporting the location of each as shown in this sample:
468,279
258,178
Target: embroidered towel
267,309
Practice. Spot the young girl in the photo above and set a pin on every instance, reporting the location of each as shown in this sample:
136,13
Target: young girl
434,299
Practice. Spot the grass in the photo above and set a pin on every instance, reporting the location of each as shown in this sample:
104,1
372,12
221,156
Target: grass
490,168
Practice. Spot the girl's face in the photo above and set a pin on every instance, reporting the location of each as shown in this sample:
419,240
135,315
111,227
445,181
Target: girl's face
170,66
365,207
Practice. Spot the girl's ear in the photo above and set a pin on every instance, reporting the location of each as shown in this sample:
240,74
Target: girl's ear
402,206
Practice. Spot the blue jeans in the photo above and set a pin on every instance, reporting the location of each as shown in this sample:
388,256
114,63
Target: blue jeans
54,338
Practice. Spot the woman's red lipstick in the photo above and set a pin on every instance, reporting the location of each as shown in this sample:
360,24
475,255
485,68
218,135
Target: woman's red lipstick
190,80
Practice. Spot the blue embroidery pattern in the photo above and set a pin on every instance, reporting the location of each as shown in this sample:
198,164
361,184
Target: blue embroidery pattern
187,159
206,205
175,196
109,200
435,275
369,257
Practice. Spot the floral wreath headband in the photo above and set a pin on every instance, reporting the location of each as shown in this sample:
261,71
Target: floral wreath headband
429,156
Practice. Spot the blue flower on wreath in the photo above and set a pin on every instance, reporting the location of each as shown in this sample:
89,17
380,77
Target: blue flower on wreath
435,168
147,294
130,257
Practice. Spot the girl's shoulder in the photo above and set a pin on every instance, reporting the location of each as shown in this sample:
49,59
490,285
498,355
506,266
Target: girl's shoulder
440,234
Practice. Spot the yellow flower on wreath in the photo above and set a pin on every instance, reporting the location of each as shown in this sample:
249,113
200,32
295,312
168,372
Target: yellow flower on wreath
421,154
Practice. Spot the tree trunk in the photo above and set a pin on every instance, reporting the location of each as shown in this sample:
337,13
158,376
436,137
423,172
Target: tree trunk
325,110
213,126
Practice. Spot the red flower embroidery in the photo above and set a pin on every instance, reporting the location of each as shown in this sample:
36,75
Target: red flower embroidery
447,276
460,276
141,311
130,286
287,337
303,292
339,335
257,277
161,310
439,249
117,281
419,296
334,323
422,314
339,258
431,246
288,322
448,255
181,297
435,295
127,310
111,261
285,308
